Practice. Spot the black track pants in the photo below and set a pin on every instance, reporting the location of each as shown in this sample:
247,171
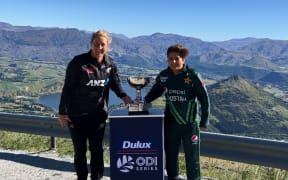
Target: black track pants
83,129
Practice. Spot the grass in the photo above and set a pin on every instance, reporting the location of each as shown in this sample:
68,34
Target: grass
27,77
210,167
230,170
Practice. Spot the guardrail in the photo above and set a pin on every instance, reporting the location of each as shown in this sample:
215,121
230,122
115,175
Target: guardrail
258,151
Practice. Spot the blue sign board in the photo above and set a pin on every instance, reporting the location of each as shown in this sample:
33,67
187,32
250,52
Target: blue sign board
136,146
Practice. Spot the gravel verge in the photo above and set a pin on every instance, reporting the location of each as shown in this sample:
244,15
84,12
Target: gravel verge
45,165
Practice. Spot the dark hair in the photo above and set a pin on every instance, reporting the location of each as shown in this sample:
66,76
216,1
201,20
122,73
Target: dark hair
178,48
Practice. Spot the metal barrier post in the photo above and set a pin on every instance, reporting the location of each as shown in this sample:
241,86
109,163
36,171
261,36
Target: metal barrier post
52,143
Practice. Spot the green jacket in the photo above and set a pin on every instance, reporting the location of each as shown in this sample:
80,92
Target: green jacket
182,92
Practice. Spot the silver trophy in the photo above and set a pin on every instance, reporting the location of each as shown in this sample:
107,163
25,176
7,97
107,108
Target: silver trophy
138,106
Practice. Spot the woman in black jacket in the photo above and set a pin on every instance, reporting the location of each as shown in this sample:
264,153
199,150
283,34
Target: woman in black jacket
84,102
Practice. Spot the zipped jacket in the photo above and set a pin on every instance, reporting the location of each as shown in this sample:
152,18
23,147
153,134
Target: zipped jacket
86,86
182,92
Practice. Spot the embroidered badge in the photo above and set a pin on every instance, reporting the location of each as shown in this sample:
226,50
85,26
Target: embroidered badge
163,79
203,84
165,90
71,125
89,70
194,139
108,70
187,80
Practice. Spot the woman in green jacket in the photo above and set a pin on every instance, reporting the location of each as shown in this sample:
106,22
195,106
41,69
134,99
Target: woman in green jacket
183,89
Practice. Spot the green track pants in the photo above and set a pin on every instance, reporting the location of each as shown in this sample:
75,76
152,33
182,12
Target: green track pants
188,135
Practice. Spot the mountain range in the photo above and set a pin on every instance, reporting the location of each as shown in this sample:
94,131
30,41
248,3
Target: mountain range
249,57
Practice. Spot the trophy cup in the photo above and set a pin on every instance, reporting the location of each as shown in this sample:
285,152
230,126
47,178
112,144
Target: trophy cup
138,106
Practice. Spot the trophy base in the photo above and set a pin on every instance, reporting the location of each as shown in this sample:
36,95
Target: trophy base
137,109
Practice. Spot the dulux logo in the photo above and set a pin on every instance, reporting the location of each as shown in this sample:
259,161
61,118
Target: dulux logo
96,83
136,145
125,164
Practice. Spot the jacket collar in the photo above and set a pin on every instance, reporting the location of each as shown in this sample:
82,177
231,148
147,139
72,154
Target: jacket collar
184,69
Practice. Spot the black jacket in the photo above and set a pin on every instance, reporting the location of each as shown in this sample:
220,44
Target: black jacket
86,86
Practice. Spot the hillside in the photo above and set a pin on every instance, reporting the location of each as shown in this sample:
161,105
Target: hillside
46,44
240,107
280,79
60,45
249,57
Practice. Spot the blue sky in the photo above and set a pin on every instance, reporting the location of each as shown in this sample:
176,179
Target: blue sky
208,20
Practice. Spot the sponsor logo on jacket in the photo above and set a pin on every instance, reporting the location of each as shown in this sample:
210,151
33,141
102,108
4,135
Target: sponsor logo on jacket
94,82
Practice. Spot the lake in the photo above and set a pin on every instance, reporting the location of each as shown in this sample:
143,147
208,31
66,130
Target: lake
54,99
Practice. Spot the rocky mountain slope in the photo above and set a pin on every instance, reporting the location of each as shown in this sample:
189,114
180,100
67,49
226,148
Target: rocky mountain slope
251,58
238,106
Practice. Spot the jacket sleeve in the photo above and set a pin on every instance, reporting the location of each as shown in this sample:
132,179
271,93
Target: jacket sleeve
115,83
155,92
68,87
203,98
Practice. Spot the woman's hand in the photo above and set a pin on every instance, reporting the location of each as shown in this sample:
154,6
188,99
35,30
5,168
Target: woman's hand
62,119
126,99
203,128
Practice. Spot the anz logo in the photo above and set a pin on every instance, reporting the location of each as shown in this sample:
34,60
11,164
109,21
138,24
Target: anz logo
125,164
93,83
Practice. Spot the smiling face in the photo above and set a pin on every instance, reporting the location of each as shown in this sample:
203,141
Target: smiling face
175,62
99,47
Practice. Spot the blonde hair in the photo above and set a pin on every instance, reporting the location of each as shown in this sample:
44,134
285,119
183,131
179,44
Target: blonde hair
102,33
